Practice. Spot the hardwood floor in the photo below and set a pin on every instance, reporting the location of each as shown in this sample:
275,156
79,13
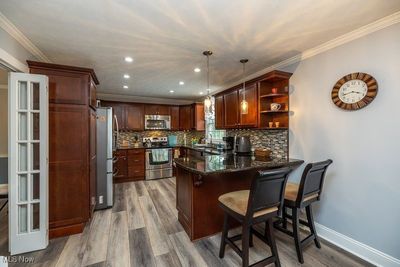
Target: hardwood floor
142,229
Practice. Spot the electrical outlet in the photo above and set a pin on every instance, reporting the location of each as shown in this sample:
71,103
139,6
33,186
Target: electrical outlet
101,200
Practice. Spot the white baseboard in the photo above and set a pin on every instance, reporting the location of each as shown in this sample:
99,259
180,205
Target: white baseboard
357,248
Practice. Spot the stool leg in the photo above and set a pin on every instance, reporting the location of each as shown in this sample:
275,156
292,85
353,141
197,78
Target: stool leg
296,235
245,245
224,235
310,220
251,238
271,238
284,218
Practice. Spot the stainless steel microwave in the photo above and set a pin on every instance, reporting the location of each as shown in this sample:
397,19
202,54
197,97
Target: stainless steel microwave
157,122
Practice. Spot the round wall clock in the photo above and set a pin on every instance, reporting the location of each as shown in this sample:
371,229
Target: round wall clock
354,91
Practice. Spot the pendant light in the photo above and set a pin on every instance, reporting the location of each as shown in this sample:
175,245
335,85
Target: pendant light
244,105
207,101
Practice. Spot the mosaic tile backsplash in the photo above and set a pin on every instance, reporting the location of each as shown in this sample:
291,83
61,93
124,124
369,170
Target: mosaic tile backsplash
276,141
130,136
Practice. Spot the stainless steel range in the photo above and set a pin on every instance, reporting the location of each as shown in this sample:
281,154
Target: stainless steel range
158,158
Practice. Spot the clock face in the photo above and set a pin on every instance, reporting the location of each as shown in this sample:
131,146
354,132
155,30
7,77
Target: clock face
354,91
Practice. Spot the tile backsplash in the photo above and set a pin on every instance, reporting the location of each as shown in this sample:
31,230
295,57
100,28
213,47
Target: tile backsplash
276,141
130,136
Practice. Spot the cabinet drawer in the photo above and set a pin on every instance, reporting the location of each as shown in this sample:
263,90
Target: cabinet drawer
136,171
136,160
138,151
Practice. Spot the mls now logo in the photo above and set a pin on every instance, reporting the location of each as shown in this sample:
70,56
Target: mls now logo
3,261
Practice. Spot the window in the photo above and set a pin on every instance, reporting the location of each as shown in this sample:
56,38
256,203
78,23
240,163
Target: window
210,124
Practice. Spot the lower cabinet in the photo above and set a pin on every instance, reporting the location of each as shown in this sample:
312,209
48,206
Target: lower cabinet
129,165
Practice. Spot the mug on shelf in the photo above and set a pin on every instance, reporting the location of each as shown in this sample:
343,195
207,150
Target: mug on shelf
275,106
274,90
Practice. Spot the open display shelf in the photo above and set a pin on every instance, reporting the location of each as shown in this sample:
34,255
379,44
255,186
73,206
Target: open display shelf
280,81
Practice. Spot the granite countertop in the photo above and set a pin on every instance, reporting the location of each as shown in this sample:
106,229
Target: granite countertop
211,164
193,147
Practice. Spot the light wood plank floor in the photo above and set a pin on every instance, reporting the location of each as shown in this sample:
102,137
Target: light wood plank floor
142,229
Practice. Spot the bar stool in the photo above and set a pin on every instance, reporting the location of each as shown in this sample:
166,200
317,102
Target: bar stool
3,194
298,196
261,203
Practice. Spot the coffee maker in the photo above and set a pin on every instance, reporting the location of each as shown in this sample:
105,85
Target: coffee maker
228,142
242,145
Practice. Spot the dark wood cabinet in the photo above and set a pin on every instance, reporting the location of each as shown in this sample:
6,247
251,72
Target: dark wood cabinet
118,111
92,158
174,112
185,121
130,165
153,109
197,117
134,117
231,109
72,146
219,112
249,120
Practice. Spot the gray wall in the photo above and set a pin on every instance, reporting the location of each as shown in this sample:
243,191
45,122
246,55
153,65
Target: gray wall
362,188
3,170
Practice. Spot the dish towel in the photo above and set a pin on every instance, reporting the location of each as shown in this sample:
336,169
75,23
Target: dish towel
159,155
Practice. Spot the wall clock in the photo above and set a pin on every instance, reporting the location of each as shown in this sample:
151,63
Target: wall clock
354,91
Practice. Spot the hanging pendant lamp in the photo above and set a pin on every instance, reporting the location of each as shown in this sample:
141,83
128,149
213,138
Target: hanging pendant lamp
244,105
207,101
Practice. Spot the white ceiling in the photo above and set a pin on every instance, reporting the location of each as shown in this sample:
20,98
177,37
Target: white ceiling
166,37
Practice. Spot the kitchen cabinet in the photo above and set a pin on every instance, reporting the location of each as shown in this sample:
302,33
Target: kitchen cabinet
153,109
72,146
129,165
174,112
197,117
219,112
249,120
130,116
231,109
134,117
185,121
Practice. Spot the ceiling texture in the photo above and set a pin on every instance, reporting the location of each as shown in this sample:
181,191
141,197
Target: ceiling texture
166,38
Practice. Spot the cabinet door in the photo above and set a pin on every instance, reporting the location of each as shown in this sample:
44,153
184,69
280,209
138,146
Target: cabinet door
219,112
249,119
121,166
231,109
92,95
150,109
118,111
93,159
174,112
185,118
134,117
163,110
199,120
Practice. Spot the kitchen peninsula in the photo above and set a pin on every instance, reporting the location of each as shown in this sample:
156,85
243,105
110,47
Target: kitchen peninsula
201,180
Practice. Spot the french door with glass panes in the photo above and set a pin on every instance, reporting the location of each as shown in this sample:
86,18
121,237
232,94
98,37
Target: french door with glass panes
28,162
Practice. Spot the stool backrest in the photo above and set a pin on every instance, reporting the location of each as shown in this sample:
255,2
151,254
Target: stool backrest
267,190
312,180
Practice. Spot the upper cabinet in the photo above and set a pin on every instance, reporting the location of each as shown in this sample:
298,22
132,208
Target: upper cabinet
174,112
130,116
260,93
185,121
152,109
191,117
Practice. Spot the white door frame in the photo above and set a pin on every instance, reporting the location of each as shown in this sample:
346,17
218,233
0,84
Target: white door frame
24,234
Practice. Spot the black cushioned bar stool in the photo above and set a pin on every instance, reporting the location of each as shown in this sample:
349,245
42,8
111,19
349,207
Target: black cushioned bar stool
298,196
260,204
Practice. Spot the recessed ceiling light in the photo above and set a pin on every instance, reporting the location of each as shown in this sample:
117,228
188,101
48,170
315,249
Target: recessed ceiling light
197,70
125,87
171,91
181,83
128,59
201,93
126,76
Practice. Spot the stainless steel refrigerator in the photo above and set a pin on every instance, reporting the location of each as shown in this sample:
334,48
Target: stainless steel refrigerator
105,146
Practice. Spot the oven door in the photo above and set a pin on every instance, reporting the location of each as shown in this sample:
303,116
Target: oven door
154,161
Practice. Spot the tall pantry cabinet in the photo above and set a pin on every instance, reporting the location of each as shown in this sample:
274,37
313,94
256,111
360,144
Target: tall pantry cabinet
72,146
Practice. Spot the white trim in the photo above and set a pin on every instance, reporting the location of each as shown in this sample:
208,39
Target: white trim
11,62
10,28
357,248
3,87
143,99
3,155
343,39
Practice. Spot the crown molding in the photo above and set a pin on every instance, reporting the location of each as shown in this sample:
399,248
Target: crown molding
11,63
11,29
143,99
338,41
